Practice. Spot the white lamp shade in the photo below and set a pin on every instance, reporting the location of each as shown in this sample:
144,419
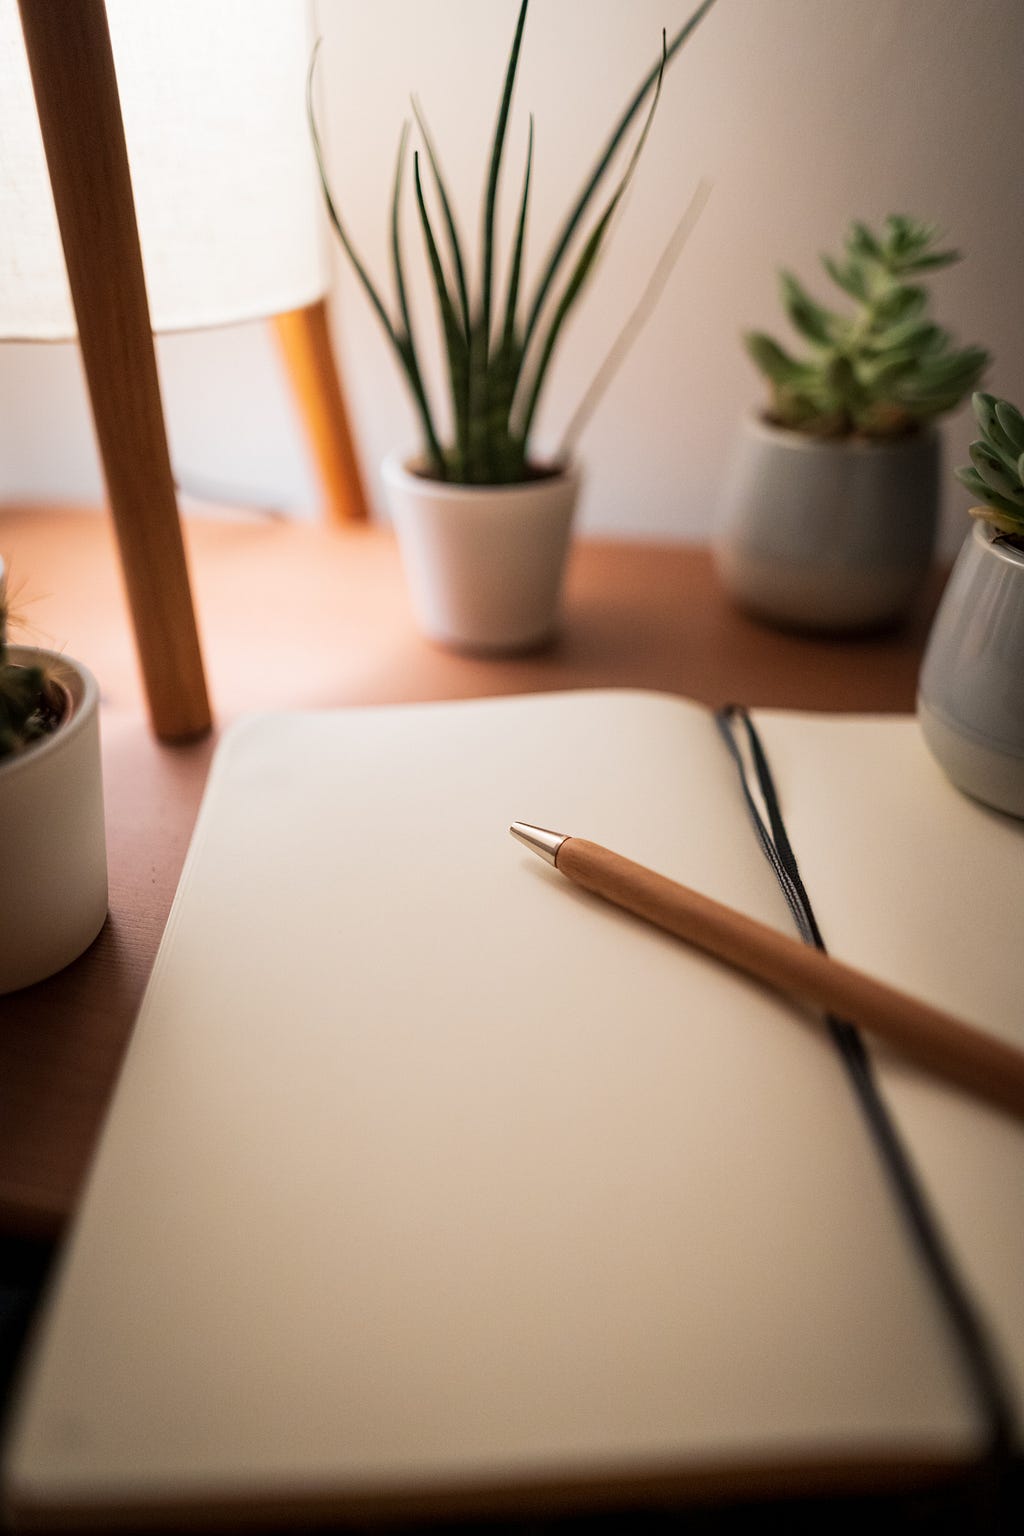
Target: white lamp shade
226,193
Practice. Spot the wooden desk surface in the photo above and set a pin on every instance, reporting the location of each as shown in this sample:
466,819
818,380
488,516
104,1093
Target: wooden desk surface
295,616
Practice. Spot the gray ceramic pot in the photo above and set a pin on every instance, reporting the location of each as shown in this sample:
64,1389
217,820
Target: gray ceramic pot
827,535
970,701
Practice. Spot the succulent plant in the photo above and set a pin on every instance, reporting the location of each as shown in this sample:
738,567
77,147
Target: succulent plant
29,708
885,367
996,471
497,359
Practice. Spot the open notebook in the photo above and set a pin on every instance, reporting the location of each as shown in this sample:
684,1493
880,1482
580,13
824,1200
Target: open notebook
432,1182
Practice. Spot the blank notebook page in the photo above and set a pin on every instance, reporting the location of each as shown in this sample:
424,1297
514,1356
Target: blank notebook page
428,1171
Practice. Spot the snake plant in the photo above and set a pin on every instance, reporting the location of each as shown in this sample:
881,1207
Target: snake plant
996,471
498,352
883,368
27,710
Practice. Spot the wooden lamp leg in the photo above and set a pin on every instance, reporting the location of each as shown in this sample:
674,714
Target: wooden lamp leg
72,67
305,341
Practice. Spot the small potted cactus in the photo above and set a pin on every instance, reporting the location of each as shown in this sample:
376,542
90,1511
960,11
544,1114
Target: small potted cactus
53,869
830,511
970,700
482,523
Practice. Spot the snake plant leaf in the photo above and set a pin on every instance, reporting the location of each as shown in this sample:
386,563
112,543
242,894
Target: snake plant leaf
813,321
454,243
1012,423
572,222
589,254
995,474
401,342
455,338
332,210
412,367
493,175
512,299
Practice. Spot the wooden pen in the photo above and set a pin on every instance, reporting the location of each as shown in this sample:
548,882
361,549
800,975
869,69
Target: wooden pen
934,1040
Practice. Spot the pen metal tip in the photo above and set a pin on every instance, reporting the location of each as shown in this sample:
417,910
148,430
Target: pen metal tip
539,840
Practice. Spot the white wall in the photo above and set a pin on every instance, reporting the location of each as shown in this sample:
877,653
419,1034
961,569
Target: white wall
804,113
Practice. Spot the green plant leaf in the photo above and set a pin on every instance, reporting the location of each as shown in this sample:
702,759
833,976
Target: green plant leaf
929,261
403,344
449,218
493,173
512,298
435,454
852,277
455,340
899,306
1012,423
995,474
811,319
588,257
773,361
978,487
861,242
572,222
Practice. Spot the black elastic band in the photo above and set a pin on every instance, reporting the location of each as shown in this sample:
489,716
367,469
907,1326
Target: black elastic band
976,1351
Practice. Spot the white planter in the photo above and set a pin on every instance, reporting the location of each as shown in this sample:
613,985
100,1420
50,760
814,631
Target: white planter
826,535
484,564
53,860
970,701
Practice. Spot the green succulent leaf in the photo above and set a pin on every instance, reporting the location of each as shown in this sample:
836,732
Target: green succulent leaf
851,277
900,306
814,322
1012,423
773,361
861,242
980,488
995,474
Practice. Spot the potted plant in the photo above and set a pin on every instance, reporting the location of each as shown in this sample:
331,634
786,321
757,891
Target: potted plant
830,510
53,867
483,525
971,694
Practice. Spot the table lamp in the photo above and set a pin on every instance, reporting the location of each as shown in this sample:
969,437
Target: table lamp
219,221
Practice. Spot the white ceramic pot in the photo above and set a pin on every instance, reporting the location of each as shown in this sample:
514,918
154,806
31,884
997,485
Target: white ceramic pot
970,701
827,535
53,858
484,564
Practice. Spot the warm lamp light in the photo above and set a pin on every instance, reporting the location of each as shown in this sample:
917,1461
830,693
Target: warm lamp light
229,211
204,100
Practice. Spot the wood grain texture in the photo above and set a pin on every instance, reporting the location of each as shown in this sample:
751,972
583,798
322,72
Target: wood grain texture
945,1046
75,87
305,341
306,617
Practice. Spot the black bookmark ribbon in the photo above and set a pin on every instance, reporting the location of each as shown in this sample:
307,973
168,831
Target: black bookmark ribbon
965,1324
